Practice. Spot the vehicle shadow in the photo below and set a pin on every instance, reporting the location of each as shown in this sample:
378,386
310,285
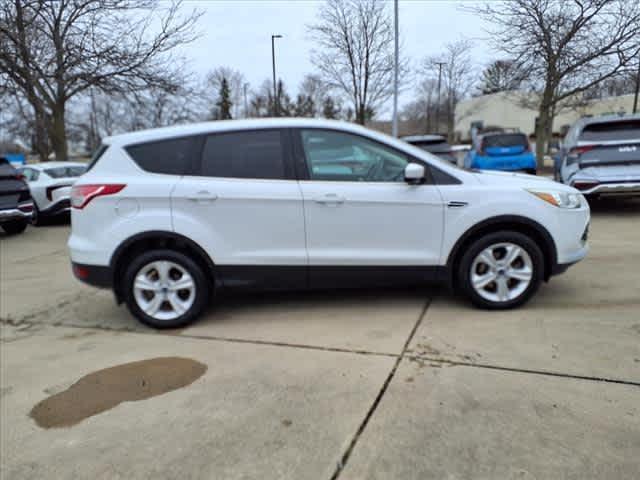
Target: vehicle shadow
232,306
614,206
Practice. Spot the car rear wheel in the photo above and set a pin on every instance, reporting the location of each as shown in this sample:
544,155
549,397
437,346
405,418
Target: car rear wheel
501,270
165,289
14,227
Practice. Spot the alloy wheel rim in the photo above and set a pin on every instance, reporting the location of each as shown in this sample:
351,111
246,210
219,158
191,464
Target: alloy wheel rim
164,290
501,272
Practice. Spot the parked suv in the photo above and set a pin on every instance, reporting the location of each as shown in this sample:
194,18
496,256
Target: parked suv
167,217
436,144
50,185
15,201
600,156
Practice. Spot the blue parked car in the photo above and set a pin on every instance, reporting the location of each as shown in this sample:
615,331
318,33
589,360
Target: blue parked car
501,151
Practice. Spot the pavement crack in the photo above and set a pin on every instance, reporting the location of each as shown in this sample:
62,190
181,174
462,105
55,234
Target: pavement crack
363,425
522,370
206,337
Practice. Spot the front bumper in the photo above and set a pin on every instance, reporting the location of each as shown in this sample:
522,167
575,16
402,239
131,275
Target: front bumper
23,211
615,188
62,206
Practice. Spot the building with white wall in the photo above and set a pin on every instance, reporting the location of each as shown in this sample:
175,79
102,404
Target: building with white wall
506,109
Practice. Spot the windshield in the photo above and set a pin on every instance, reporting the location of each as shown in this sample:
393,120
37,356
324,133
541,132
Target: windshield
6,169
65,172
505,140
612,131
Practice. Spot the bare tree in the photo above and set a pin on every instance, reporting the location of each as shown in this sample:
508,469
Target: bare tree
355,54
565,46
52,51
457,78
314,88
501,76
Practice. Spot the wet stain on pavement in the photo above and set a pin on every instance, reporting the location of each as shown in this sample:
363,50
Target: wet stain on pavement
100,391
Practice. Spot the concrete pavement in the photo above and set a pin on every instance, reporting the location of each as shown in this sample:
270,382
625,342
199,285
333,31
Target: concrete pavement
369,384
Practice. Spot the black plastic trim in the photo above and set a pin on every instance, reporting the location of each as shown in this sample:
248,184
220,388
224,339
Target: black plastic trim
303,277
97,276
512,219
155,235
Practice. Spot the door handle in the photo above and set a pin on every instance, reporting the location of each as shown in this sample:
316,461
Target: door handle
202,196
329,199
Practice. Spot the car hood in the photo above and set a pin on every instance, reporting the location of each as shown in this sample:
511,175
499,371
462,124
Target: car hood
494,177
518,180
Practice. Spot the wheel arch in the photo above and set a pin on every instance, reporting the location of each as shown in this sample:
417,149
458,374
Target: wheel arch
152,240
539,234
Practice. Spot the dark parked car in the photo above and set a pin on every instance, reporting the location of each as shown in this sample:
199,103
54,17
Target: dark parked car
435,144
16,205
600,156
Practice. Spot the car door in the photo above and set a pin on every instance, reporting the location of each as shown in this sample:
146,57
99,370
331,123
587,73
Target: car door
243,205
360,214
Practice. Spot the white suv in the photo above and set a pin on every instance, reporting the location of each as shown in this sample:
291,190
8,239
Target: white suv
167,217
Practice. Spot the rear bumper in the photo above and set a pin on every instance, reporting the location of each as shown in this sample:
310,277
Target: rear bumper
94,275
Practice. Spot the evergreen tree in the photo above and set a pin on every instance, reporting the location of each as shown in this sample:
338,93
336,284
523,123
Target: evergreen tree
329,108
304,106
224,101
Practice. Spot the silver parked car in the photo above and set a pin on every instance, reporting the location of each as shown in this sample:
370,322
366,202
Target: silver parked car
600,156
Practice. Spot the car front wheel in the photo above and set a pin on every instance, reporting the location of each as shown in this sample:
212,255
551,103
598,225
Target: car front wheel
14,227
165,289
501,270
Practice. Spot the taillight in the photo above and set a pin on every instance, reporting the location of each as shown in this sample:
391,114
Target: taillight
585,184
576,151
81,195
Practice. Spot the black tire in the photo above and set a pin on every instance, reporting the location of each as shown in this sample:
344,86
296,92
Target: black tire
202,288
14,227
531,171
465,264
36,216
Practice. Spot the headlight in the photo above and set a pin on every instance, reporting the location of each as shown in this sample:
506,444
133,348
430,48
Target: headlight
559,199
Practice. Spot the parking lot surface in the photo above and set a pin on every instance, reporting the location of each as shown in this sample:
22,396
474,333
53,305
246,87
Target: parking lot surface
364,384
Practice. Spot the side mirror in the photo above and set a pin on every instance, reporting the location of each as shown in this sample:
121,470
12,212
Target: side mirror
414,173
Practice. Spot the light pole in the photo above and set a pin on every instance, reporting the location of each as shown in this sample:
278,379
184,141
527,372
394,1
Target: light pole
440,64
276,100
394,124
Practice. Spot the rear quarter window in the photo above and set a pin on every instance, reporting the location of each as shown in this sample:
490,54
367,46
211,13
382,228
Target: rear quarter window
611,131
171,157
96,156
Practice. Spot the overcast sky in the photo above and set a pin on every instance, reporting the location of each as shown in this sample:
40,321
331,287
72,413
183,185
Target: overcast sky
237,34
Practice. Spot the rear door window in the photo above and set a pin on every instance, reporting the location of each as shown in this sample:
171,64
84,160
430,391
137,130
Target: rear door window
611,131
255,154
171,157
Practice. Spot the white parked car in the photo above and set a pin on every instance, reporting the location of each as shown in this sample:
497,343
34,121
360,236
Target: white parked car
166,217
50,184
